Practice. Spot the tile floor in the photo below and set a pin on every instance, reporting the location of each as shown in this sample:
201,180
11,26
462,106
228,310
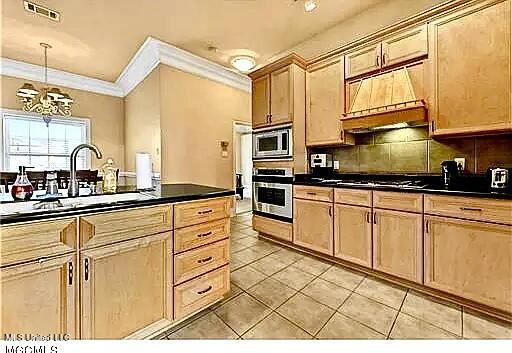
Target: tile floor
277,293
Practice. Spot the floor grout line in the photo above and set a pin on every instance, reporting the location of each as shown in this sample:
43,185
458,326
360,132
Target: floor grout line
397,313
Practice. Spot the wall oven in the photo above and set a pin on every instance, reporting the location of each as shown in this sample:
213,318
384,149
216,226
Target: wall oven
272,193
271,143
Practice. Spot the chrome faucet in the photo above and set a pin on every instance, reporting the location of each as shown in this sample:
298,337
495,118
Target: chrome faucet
73,183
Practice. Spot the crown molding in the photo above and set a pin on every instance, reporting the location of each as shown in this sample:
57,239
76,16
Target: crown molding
151,53
20,69
154,52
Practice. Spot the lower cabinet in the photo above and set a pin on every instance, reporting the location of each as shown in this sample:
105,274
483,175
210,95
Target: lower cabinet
126,286
398,244
353,234
313,225
470,259
39,297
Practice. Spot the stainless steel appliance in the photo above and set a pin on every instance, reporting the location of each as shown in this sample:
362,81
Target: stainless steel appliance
272,193
272,143
500,178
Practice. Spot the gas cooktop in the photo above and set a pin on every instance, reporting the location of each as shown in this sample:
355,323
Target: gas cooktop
398,183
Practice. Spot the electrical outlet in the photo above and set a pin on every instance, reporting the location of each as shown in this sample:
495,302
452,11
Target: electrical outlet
336,165
461,163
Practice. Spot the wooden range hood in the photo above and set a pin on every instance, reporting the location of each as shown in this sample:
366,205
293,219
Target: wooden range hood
385,101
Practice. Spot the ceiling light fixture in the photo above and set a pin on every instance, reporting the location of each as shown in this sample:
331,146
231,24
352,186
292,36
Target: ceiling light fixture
243,63
48,102
310,5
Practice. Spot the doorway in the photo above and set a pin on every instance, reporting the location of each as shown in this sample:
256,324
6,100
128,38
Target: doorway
242,136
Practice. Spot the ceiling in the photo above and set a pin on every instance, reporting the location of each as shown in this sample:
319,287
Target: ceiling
97,38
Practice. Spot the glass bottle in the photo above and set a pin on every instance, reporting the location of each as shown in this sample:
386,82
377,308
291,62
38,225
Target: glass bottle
22,189
109,173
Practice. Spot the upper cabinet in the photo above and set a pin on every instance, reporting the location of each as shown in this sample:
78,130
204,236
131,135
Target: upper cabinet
325,102
399,48
277,92
469,70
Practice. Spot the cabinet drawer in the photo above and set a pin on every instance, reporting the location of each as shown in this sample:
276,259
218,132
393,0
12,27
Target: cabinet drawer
193,263
278,229
480,209
200,292
195,236
195,212
400,201
31,241
315,193
111,227
353,197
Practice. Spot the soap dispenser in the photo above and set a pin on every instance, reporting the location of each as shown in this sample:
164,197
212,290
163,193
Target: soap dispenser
22,189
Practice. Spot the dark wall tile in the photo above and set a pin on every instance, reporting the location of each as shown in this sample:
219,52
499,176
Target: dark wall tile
409,157
440,151
493,151
348,158
374,158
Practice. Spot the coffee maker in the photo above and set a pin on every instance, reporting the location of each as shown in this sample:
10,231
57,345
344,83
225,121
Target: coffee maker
449,173
321,164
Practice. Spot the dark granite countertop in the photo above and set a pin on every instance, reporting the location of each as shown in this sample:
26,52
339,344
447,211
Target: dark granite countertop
471,186
165,193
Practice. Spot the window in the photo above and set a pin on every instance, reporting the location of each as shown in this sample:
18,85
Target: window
28,141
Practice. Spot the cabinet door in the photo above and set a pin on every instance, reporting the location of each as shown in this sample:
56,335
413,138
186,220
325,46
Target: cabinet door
313,225
325,102
39,297
362,61
353,234
470,259
405,46
260,101
126,286
469,70
281,100
398,244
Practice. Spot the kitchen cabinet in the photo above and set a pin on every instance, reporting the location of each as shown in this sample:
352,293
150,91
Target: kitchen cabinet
40,297
398,244
400,47
260,101
118,296
325,103
313,225
469,71
469,259
275,228
353,234
278,92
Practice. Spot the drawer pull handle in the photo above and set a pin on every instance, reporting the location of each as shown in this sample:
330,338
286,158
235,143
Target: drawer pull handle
205,290
312,193
70,273
374,217
206,259
202,235
205,212
86,269
367,216
471,209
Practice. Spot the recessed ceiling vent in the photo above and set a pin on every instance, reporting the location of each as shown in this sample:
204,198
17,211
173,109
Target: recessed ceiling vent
41,10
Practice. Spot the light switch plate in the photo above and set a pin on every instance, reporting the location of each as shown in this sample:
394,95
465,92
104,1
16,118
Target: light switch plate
336,165
461,163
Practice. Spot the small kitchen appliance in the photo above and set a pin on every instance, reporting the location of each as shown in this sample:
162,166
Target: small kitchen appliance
499,178
272,143
449,172
321,164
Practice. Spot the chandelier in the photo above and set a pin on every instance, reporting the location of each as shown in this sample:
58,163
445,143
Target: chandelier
48,101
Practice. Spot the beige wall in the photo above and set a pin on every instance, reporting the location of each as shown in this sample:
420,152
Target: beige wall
106,114
142,121
381,15
196,115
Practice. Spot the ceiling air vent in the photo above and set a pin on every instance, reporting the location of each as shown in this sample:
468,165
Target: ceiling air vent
41,10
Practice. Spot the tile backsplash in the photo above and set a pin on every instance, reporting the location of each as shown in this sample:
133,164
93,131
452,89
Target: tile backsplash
410,150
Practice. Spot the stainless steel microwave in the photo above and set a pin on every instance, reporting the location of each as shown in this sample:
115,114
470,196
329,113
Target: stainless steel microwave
272,143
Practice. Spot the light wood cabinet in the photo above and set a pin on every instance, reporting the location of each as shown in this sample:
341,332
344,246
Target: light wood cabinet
202,234
281,99
126,286
469,70
470,259
400,201
398,244
325,103
40,297
196,212
260,101
353,234
315,193
353,197
313,225
401,47
275,228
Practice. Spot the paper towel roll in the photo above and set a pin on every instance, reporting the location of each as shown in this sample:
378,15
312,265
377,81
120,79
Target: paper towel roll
143,170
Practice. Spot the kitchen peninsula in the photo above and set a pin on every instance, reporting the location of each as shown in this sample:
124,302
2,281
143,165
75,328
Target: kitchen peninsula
128,265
